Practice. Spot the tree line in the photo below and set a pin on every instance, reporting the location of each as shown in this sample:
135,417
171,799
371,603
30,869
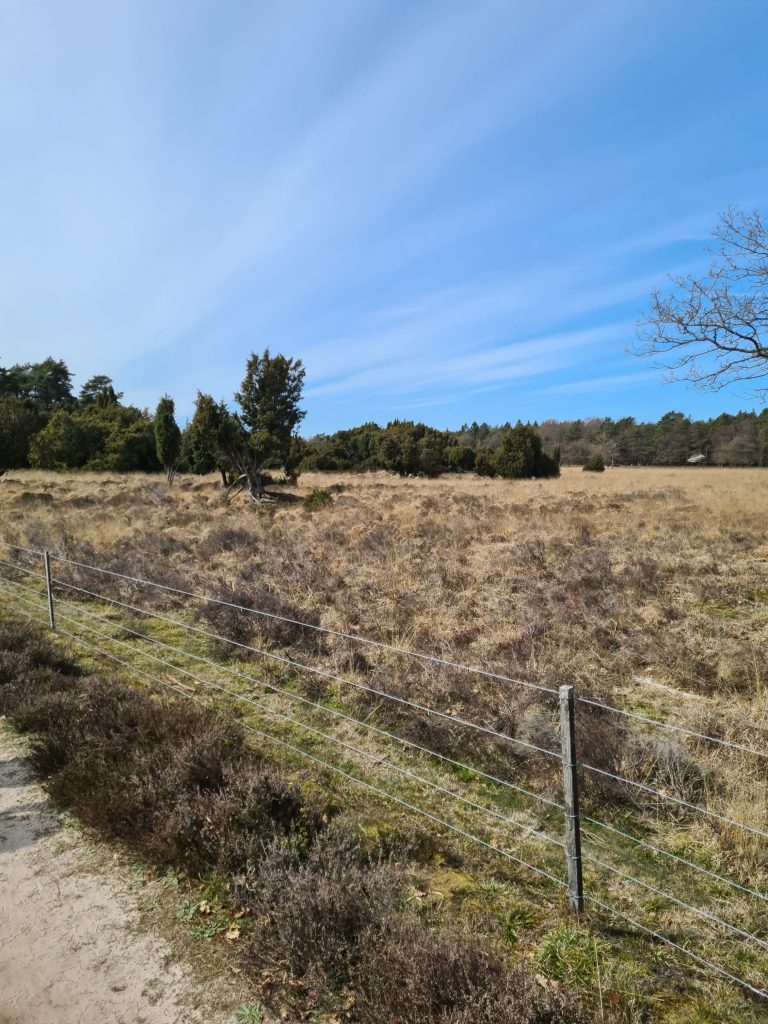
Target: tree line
739,439
44,424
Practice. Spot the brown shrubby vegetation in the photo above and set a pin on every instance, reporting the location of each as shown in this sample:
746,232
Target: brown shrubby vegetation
336,921
177,783
174,781
645,587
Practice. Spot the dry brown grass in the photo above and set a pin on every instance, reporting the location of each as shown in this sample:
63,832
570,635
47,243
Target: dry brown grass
653,573
646,587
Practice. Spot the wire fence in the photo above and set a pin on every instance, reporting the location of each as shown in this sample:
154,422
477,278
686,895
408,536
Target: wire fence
552,839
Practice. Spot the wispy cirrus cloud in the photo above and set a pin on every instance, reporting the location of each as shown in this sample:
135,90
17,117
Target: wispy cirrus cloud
598,384
423,201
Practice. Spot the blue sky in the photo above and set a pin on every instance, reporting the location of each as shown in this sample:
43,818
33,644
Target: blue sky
450,211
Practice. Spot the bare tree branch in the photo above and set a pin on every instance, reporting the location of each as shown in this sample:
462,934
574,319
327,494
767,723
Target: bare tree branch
712,330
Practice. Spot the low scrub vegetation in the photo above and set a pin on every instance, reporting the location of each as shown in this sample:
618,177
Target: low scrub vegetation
178,784
594,464
641,589
645,589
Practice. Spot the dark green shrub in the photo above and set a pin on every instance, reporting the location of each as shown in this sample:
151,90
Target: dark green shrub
317,499
594,464
430,451
521,455
398,447
485,464
459,458
18,423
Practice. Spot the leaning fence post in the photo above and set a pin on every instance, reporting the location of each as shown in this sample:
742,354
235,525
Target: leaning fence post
49,588
571,794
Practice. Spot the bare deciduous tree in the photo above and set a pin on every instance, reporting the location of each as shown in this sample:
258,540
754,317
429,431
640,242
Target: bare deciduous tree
712,330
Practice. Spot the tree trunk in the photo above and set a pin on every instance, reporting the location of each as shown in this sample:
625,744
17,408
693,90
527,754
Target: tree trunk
249,479
255,489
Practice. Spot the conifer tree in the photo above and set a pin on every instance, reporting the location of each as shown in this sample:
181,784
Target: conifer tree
262,433
167,437
203,436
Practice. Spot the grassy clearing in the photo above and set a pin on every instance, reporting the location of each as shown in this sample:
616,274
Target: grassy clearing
639,586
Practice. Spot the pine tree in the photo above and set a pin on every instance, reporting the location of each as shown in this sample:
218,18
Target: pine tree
99,389
262,434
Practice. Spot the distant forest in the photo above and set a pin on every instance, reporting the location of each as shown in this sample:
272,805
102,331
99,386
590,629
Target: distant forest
44,424
739,439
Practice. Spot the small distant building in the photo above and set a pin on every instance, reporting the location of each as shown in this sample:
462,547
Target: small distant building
697,460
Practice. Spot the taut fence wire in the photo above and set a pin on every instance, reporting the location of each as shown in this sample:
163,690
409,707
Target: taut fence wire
411,775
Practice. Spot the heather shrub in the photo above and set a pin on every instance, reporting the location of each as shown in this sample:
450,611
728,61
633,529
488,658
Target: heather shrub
173,780
222,539
280,624
316,914
450,978
24,648
177,783
663,762
337,923
319,498
34,676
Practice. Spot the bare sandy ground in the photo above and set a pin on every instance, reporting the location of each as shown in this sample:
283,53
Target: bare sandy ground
70,952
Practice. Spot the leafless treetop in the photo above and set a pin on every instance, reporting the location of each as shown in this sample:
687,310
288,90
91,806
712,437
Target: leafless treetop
712,330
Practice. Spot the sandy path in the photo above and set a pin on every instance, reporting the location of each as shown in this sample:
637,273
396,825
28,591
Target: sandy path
69,949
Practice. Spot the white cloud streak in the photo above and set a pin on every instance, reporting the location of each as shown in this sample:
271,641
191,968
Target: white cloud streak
380,190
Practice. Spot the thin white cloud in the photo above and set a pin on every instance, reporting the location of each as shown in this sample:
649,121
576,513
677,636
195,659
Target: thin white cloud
596,384
492,367
475,334
182,185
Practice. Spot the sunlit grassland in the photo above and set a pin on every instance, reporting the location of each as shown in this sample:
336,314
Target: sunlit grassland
644,587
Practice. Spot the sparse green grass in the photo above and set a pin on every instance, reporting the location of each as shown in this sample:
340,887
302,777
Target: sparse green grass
249,1014
570,954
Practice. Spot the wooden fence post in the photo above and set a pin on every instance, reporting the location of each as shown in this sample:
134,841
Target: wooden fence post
49,588
571,801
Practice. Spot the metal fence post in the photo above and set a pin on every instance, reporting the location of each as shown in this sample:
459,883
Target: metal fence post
49,588
571,794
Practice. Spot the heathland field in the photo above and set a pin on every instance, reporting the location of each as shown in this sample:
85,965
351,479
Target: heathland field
646,589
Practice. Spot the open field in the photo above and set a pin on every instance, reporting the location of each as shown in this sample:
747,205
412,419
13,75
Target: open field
592,578
644,588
